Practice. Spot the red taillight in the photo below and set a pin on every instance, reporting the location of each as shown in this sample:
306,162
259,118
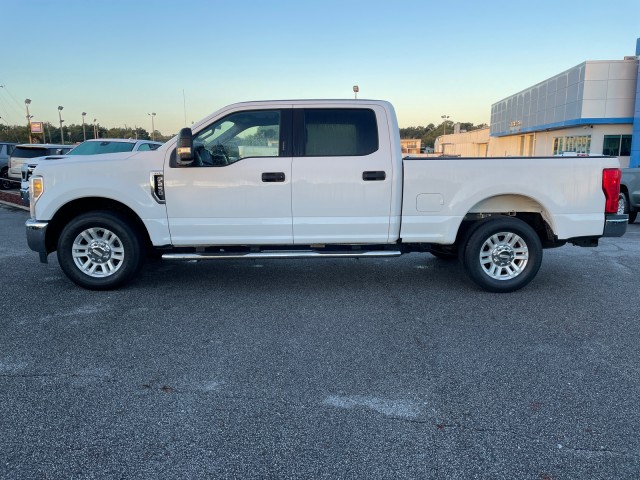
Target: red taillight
611,188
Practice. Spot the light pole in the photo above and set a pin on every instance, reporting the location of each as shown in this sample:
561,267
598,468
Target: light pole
444,123
84,133
356,89
153,128
60,118
95,128
27,101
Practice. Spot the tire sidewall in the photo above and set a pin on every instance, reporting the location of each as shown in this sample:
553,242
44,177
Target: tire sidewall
5,184
625,201
118,225
477,239
624,196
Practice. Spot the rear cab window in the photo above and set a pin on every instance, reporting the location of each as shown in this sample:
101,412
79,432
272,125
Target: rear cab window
338,132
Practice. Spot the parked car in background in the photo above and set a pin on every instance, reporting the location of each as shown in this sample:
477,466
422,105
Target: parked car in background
98,146
5,151
22,153
629,200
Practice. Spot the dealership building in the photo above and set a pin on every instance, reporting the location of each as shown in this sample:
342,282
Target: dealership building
590,109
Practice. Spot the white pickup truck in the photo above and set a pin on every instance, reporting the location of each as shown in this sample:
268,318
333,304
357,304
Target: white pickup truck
309,179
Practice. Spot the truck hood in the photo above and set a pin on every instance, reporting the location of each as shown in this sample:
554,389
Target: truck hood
100,157
124,163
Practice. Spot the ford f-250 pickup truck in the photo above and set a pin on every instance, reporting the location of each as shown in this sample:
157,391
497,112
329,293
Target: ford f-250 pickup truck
630,193
303,179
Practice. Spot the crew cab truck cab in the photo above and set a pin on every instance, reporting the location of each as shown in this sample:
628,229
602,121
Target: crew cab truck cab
309,179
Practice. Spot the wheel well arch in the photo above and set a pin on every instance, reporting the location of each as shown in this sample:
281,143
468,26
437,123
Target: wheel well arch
519,206
79,206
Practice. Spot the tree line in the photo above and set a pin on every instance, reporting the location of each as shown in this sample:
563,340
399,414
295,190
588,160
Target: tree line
429,133
73,133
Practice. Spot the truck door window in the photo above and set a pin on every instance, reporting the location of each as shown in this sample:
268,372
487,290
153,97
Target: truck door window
339,132
237,136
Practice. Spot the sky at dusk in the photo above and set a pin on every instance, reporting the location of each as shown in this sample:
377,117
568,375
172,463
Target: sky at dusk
120,60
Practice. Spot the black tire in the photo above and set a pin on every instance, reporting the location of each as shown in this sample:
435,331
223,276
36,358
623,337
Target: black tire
5,183
502,254
103,241
623,207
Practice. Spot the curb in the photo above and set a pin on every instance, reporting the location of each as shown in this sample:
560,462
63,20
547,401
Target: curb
12,200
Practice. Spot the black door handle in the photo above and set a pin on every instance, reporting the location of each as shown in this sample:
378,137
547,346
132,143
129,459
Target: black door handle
373,176
273,177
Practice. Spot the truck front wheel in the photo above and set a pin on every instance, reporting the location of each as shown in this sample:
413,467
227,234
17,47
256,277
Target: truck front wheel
503,255
99,250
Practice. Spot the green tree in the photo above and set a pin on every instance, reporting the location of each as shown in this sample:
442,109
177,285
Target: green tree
73,133
429,133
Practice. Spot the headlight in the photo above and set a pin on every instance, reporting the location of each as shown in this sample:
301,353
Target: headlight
36,188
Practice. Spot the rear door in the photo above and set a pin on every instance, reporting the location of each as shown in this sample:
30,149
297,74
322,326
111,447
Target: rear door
342,173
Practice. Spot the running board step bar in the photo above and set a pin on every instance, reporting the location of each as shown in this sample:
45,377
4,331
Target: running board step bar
278,254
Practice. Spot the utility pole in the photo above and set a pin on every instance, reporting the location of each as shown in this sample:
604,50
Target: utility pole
153,128
444,124
26,104
60,118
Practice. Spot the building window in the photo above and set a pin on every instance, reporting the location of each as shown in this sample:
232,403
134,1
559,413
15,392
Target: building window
574,144
617,145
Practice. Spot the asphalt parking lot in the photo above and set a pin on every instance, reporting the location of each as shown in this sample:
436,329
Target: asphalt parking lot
372,368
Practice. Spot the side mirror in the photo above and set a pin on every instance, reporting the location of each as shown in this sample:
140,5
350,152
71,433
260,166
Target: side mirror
184,148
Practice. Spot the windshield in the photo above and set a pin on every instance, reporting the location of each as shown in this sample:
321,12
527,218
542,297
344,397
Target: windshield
98,148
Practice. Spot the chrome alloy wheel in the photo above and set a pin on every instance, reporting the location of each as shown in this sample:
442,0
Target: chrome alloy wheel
98,252
504,256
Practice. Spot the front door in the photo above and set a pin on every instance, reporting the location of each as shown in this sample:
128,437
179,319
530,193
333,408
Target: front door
238,190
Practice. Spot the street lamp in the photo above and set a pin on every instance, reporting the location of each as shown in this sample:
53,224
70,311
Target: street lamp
95,128
60,118
153,128
26,104
84,133
356,89
444,123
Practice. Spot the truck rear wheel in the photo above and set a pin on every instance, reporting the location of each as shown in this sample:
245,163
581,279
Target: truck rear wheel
99,250
502,254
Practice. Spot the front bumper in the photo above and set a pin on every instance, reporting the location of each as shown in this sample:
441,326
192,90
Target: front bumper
36,237
615,225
